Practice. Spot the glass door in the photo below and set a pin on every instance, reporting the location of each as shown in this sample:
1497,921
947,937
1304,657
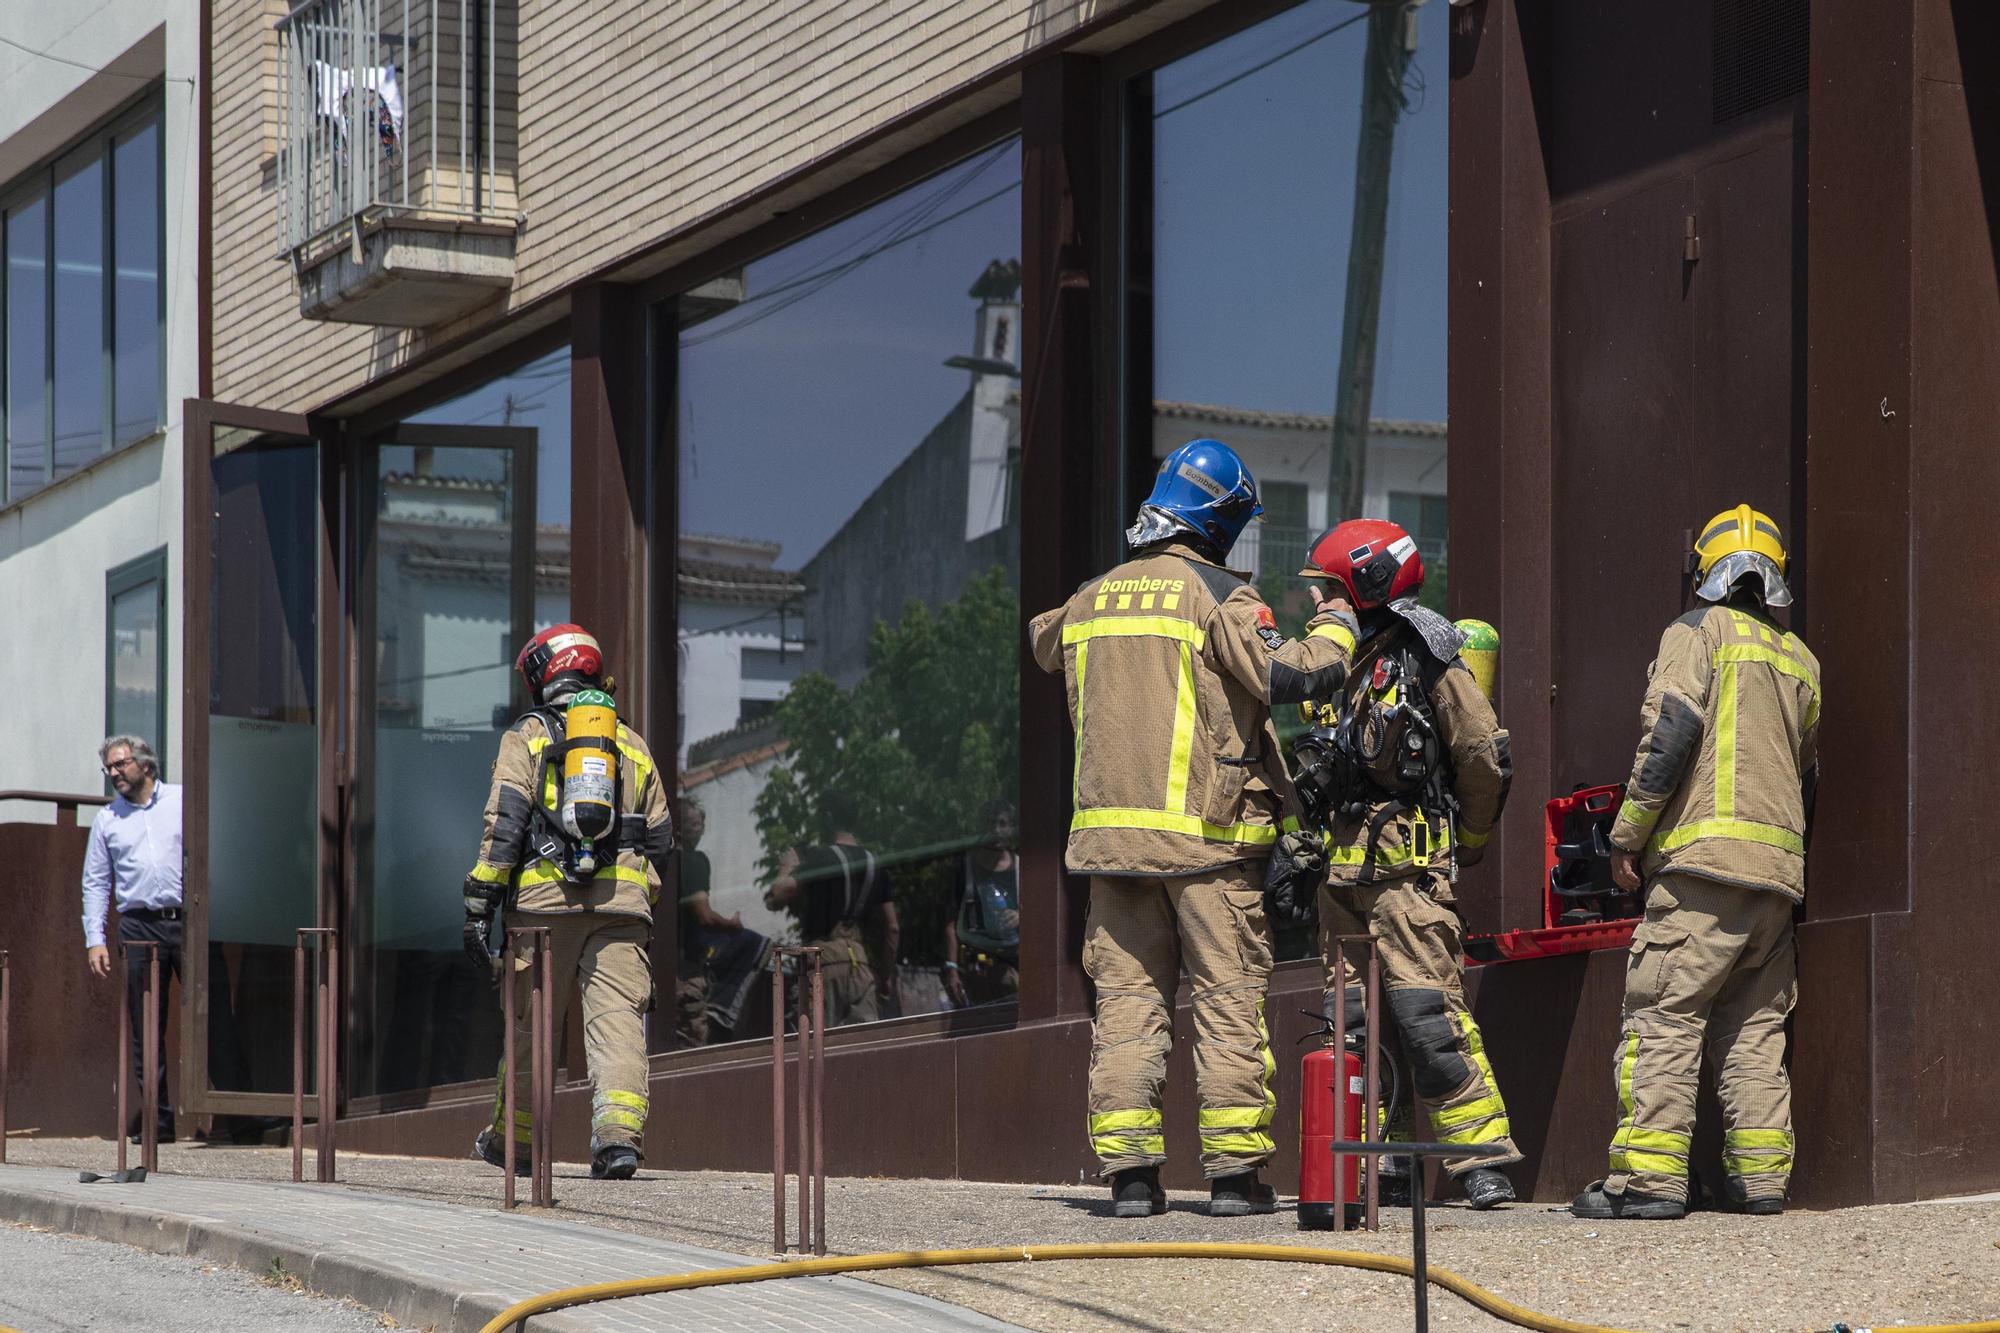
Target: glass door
260,531
448,588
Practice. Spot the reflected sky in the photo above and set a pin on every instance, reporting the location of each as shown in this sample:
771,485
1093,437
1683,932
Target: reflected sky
536,395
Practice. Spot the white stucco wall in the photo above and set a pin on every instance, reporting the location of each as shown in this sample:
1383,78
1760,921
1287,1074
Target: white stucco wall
57,546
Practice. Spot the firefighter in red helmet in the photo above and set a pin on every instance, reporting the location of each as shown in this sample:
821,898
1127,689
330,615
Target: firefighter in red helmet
1406,771
596,898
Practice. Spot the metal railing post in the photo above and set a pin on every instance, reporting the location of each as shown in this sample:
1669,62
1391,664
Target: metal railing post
124,1044
326,1040
541,1064
1371,1085
4,1026
545,1122
811,1108
507,1066
149,1101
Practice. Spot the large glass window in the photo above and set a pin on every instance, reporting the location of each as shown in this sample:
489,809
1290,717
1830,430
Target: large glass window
135,659
464,553
848,431
84,305
1288,273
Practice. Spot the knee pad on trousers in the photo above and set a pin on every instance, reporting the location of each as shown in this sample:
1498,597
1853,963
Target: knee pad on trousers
1431,1040
1357,1015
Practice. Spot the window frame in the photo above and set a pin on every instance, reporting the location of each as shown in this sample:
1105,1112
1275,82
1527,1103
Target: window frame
102,140
119,580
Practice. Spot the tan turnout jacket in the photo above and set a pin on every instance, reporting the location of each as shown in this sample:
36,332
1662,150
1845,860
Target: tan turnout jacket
1378,845
1172,664
629,885
1728,752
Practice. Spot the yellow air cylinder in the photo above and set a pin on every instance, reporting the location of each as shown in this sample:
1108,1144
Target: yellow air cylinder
1481,652
590,773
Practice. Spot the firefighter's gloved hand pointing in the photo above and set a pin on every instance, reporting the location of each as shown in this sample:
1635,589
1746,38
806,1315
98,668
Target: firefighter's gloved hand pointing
1297,869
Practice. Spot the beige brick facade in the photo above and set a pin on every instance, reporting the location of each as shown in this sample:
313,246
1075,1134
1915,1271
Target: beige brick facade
637,118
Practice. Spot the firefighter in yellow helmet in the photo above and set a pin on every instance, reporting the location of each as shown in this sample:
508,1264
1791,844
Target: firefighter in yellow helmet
594,896
1714,823
1172,663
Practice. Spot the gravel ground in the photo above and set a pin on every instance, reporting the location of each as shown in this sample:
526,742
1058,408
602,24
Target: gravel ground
1927,1263
55,1284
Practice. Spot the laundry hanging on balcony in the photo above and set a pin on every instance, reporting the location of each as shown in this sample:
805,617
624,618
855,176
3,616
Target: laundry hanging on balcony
332,85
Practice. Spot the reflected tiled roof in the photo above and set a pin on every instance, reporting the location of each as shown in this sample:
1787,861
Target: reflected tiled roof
1250,416
717,581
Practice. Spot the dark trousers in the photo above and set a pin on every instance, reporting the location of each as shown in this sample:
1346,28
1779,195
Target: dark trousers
224,1055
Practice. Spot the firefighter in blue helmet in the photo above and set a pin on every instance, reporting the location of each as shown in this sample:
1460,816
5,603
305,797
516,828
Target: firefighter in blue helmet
1172,663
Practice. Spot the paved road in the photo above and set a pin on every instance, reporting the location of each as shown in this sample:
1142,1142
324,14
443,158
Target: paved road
56,1283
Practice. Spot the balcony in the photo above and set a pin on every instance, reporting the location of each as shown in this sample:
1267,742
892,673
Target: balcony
396,193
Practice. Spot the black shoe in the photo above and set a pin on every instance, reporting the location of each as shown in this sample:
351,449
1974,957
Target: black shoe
1488,1187
614,1161
488,1148
165,1137
1137,1193
1240,1195
1596,1204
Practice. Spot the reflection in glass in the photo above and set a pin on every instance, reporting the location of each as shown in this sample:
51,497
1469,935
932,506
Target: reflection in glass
1256,313
849,554
138,294
135,663
79,298
454,590
263,763
27,242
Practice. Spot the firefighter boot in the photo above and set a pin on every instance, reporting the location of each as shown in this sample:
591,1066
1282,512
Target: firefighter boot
492,1150
1598,1205
1137,1193
613,1161
1240,1195
1487,1187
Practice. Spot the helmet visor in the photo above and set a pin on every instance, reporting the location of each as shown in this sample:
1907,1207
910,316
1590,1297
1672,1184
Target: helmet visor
1725,573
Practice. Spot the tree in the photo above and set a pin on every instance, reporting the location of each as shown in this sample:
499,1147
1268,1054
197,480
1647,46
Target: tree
912,755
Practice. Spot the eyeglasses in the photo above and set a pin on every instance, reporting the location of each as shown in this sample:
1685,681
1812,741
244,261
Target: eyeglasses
113,768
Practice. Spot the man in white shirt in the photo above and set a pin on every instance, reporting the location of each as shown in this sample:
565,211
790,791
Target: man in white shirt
135,858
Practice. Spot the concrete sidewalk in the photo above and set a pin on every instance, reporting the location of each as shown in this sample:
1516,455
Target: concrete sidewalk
445,1266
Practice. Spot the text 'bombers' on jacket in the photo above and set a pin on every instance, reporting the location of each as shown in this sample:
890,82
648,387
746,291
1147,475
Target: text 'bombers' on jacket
1172,664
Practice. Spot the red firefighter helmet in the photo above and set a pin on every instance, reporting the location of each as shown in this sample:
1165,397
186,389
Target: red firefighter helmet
1374,559
557,652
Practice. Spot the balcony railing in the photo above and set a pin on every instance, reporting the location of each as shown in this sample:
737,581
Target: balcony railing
389,110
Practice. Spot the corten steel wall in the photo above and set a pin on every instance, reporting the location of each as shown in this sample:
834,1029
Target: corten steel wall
65,1021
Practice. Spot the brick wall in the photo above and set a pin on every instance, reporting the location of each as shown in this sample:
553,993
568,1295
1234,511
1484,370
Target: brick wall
638,120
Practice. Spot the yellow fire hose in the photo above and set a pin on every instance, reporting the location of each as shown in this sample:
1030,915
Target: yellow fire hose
1021,1254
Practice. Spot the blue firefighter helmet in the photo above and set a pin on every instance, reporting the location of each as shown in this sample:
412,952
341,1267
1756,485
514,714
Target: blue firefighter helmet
1202,488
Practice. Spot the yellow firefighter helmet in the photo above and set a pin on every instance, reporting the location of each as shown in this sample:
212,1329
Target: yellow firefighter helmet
1737,544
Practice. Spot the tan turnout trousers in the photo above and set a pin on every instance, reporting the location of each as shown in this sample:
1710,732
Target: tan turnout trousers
607,954
1142,931
1423,996
1713,966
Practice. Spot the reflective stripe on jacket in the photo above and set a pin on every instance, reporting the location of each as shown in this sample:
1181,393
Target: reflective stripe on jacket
1172,665
628,885
1379,845
1729,745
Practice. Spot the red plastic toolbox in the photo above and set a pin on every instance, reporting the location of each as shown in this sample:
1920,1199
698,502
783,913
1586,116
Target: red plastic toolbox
1553,939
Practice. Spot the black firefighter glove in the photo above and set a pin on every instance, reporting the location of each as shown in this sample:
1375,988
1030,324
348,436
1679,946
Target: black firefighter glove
1291,883
482,919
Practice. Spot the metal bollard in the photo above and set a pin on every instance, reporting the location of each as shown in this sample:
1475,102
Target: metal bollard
124,1050
149,1063
1417,1153
326,978
541,1065
1371,1085
4,1024
811,1102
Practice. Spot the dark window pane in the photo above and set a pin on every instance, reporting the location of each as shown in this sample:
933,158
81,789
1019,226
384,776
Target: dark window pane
27,347
263,755
79,297
849,632
136,296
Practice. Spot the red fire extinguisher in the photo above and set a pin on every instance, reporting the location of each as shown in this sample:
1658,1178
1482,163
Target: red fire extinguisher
1316,1093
